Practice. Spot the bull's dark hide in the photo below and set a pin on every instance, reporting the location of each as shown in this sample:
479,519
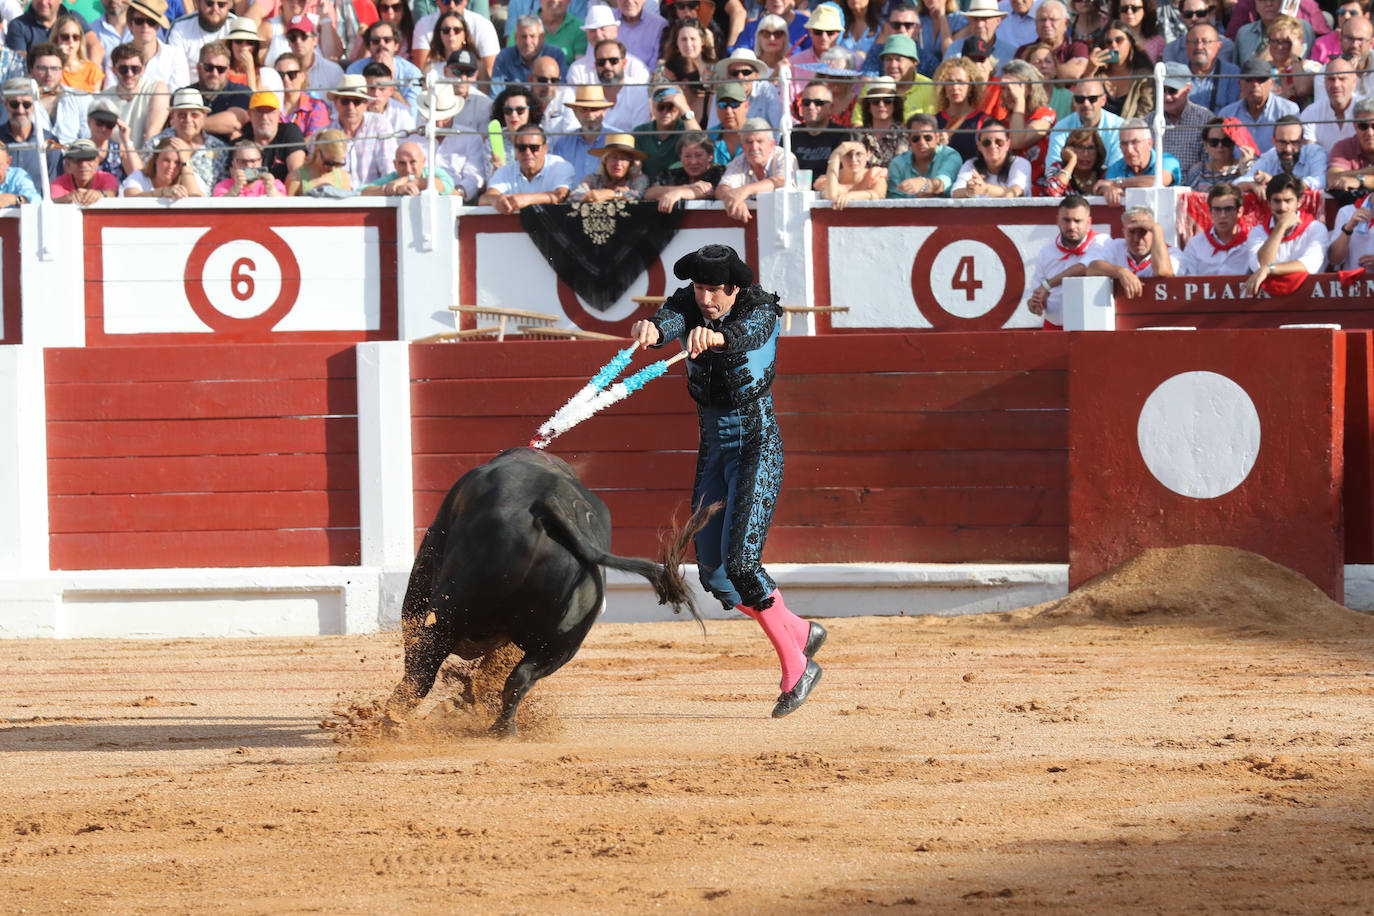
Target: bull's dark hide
599,249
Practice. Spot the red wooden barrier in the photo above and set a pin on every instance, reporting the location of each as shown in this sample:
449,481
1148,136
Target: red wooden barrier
1358,486
1230,438
1216,302
10,309
237,455
948,448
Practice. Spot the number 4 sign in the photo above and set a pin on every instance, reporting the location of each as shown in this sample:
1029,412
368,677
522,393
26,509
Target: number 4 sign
968,279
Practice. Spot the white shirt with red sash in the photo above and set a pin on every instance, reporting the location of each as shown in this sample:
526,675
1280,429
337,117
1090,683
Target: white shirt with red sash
1205,256
1305,242
1054,259
1362,241
1117,253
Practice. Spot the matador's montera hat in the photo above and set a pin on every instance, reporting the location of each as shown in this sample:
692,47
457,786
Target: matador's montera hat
714,265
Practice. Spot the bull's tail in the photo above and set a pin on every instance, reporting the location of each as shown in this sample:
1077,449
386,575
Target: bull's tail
666,577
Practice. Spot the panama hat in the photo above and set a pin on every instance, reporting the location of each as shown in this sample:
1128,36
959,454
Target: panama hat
622,143
590,96
746,57
884,87
827,18
598,17
153,9
188,99
983,9
446,103
243,29
352,86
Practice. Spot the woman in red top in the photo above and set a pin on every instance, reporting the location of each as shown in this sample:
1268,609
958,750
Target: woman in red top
1029,116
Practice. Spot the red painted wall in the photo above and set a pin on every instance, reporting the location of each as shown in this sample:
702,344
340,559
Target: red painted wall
9,252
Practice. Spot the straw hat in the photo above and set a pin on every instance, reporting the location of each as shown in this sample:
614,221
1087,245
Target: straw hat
446,103
599,16
590,96
621,143
742,56
983,9
827,18
881,88
153,9
243,29
352,86
188,99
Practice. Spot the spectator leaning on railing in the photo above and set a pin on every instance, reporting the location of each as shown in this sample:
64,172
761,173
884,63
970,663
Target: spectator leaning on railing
1222,249
247,177
1075,246
16,187
165,173
1141,252
1350,166
761,168
1289,246
82,182
411,175
696,176
535,177
928,168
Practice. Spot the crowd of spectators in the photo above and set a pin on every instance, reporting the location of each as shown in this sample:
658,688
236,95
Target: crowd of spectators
677,100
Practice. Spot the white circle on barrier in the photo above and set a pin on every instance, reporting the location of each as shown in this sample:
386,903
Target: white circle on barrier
967,278
1199,434
241,279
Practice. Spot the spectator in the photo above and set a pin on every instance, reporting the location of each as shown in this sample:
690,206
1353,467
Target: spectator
823,28
1328,47
1226,163
398,15
1199,12
190,33
281,144
575,149
161,62
1350,167
1081,166
83,183
1089,19
228,100
984,17
862,23
744,68
477,105
601,25
306,113
247,177
1143,252
35,24
1215,82
1052,30
245,45
819,134
1244,12
1039,56
207,158
461,154
118,154
513,63
370,149
640,31
451,36
1289,155
479,27
535,177
771,42
1290,243
837,69
940,20
1251,37
1142,17
1136,167
994,172
563,30
515,107
732,107
1088,100
620,173
629,104
382,101
696,176
61,111
657,138
273,28
686,77
851,175
18,134
762,168
902,22
1029,116
928,168
410,177
381,45
111,28
1353,246
141,101
1355,47
1075,247
899,57
1220,250
78,71
320,72
958,100
691,42
1126,73
1328,121
1183,120
1019,27
327,166
1284,50
16,187
1259,106
883,122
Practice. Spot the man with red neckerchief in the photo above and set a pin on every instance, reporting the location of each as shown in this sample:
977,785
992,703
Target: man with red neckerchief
1076,246
1143,252
1288,248
1221,251
1352,247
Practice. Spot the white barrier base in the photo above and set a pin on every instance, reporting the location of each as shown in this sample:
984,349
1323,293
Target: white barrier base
331,600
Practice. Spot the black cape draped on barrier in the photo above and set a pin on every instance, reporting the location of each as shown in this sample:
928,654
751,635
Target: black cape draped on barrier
599,249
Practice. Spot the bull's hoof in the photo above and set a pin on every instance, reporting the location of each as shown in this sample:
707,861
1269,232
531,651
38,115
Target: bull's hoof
502,728
815,638
789,701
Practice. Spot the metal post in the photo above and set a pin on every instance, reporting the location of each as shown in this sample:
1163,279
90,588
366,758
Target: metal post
782,238
1157,125
428,207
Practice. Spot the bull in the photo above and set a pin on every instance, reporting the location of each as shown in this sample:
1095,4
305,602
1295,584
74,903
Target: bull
516,554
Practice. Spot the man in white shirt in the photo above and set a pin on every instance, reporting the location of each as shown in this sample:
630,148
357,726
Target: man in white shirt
1306,161
601,25
1328,121
321,73
1292,243
535,177
209,23
1143,252
1076,246
479,27
1352,243
1223,250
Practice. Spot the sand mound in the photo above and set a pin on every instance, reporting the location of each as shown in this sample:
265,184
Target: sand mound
1206,586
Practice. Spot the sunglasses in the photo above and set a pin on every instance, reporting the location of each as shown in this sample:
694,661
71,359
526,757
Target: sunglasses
991,144
69,37
298,36
19,106
348,101
924,138
215,68
900,26
1086,99
687,4
129,69
883,100
527,147
1117,39
384,7
380,40
142,20
814,103
1131,9
1171,91
825,31
1220,141
741,72
729,103
546,80
1364,125
608,61
516,109
452,30
211,4
665,107
335,164
288,74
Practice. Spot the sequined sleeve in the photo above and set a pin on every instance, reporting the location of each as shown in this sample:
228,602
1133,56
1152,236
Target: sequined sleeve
756,327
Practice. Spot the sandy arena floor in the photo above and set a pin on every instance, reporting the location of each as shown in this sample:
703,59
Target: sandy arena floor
1103,755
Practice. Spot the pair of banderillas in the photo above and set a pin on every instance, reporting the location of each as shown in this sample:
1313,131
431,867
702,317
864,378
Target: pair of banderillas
600,393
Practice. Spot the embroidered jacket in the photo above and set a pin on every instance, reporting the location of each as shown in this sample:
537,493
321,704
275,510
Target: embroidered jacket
743,371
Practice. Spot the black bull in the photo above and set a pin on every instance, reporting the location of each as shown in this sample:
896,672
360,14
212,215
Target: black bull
515,554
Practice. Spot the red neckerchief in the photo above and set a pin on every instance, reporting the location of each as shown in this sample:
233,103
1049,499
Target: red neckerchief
1240,235
1074,252
1137,266
1304,220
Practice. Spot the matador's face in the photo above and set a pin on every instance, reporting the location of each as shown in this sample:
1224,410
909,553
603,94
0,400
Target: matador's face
715,302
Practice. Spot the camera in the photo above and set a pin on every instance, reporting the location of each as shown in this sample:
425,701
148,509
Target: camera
253,174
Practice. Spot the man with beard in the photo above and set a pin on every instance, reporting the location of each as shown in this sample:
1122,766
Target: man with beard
1289,246
629,104
1076,246
1290,156
18,132
575,149
229,101
210,22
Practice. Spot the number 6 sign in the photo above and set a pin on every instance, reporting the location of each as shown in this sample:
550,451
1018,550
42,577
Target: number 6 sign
968,279
242,283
